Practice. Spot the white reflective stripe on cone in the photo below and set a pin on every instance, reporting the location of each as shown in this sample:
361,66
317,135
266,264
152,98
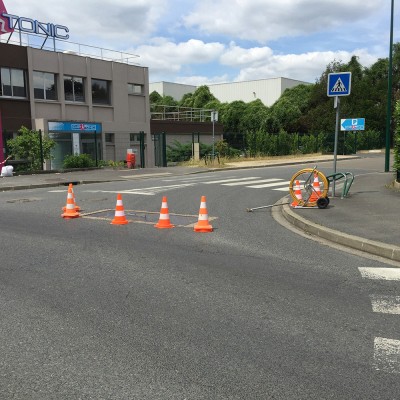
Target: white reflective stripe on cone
203,217
164,216
119,213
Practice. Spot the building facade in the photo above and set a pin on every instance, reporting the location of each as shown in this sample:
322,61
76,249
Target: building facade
87,105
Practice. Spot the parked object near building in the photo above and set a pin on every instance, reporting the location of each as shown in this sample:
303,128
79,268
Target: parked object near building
7,170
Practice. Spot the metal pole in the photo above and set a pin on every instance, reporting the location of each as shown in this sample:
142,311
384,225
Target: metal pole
41,148
389,94
213,134
337,101
95,148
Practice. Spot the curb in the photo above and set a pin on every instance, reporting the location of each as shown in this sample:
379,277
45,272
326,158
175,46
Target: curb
380,249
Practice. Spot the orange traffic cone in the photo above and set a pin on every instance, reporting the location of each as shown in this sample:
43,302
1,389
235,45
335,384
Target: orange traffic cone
70,211
297,192
203,224
316,193
119,217
164,221
77,208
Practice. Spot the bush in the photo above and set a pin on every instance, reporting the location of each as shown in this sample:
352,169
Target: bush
78,161
396,138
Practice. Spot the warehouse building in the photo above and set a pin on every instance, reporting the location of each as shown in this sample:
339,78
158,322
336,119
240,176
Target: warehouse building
267,90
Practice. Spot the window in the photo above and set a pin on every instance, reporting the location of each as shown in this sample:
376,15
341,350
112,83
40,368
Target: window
74,88
12,82
100,91
44,86
109,137
133,137
134,88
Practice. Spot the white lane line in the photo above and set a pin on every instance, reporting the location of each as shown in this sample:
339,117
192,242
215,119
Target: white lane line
388,274
387,355
284,189
271,185
145,175
196,178
385,304
233,180
151,191
251,182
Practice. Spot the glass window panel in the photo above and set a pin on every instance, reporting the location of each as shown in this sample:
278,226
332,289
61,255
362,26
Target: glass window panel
38,90
6,82
78,89
50,86
100,91
68,88
18,83
135,89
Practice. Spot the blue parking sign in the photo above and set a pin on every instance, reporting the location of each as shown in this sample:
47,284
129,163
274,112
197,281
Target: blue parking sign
339,84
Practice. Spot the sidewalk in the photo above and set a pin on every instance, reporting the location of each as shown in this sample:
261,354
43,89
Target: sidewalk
367,220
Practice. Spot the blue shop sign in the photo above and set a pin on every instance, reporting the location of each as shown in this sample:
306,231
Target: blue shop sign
65,126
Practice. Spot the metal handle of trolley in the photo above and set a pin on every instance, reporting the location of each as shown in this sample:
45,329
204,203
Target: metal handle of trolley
309,188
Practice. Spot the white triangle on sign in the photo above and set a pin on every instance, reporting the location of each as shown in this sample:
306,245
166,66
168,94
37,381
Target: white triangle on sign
339,87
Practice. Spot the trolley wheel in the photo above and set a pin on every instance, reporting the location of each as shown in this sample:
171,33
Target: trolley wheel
303,194
322,202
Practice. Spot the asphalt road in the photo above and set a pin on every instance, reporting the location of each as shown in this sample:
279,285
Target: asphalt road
252,310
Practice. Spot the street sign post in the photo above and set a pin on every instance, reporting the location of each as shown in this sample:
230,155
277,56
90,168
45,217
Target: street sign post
352,124
339,84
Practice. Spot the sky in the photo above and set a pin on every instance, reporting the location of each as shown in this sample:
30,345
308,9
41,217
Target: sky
214,41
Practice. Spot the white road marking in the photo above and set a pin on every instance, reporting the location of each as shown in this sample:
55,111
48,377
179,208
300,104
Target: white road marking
270,185
251,182
195,178
385,304
232,180
151,191
388,274
387,355
284,189
145,175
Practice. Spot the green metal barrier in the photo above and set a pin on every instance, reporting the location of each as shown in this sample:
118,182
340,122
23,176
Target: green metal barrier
348,180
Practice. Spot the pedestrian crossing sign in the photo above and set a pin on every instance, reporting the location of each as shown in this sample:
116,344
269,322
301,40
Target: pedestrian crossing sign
339,84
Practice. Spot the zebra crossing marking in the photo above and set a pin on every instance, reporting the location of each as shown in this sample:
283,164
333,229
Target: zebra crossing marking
251,182
387,355
388,274
151,191
385,304
267,185
221,181
386,350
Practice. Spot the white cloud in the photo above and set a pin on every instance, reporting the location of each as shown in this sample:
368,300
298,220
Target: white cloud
168,57
305,67
265,20
107,20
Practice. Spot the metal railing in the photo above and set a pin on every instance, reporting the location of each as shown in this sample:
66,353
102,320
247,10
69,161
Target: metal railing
178,113
65,46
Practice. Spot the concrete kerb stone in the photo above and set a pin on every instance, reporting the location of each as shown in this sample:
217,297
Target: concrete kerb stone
380,249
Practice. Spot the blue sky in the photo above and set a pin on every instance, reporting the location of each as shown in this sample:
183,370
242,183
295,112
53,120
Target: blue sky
212,41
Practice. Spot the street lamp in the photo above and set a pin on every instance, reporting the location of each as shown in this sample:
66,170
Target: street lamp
389,94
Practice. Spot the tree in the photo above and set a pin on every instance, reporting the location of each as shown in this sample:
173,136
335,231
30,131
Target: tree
26,146
199,98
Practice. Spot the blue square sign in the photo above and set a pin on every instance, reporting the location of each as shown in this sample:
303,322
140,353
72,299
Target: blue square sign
339,84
